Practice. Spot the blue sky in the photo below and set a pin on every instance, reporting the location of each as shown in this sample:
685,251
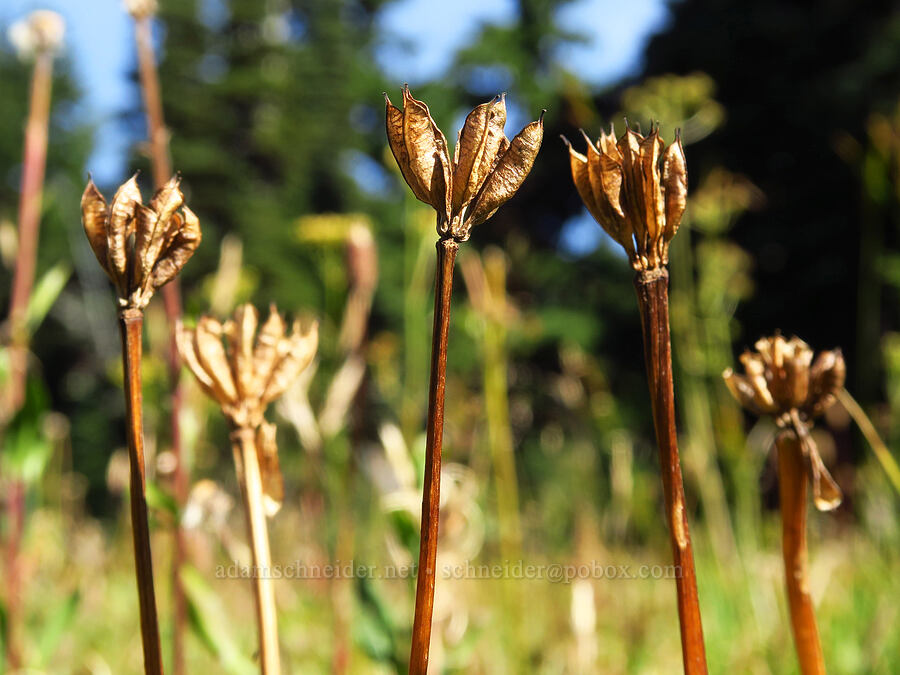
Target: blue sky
99,39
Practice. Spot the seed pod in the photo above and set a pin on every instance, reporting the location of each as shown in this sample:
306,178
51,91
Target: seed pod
140,247
120,227
211,355
636,188
674,176
303,345
254,369
743,391
826,378
266,353
426,148
653,198
755,368
241,335
184,339
796,368
779,380
477,150
508,176
183,239
827,496
94,215
486,169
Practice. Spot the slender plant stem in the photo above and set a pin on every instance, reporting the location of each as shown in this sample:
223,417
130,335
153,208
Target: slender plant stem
792,489
131,323
431,495
496,403
653,299
156,126
34,165
171,293
246,461
882,453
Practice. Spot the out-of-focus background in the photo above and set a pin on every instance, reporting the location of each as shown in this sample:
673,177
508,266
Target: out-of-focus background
790,115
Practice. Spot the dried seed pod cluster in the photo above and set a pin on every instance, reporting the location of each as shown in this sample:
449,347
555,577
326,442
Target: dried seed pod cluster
141,9
487,168
636,189
781,379
247,371
41,31
244,370
141,247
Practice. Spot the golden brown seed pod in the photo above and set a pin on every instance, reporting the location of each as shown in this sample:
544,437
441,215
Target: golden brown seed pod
636,189
140,247
781,379
298,354
244,370
486,171
826,379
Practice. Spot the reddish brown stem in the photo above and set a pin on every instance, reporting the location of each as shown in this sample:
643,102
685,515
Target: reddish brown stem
30,199
171,293
653,299
33,167
246,462
131,323
431,495
156,127
792,477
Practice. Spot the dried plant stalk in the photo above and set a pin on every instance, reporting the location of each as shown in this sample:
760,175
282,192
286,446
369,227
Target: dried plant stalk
35,159
39,35
653,299
486,170
246,462
141,248
131,322
246,373
792,490
431,495
143,12
781,379
636,189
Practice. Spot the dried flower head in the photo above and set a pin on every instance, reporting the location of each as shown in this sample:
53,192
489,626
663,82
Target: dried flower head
141,9
487,168
249,369
781,379
246,373
40,31
140,247
636,188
